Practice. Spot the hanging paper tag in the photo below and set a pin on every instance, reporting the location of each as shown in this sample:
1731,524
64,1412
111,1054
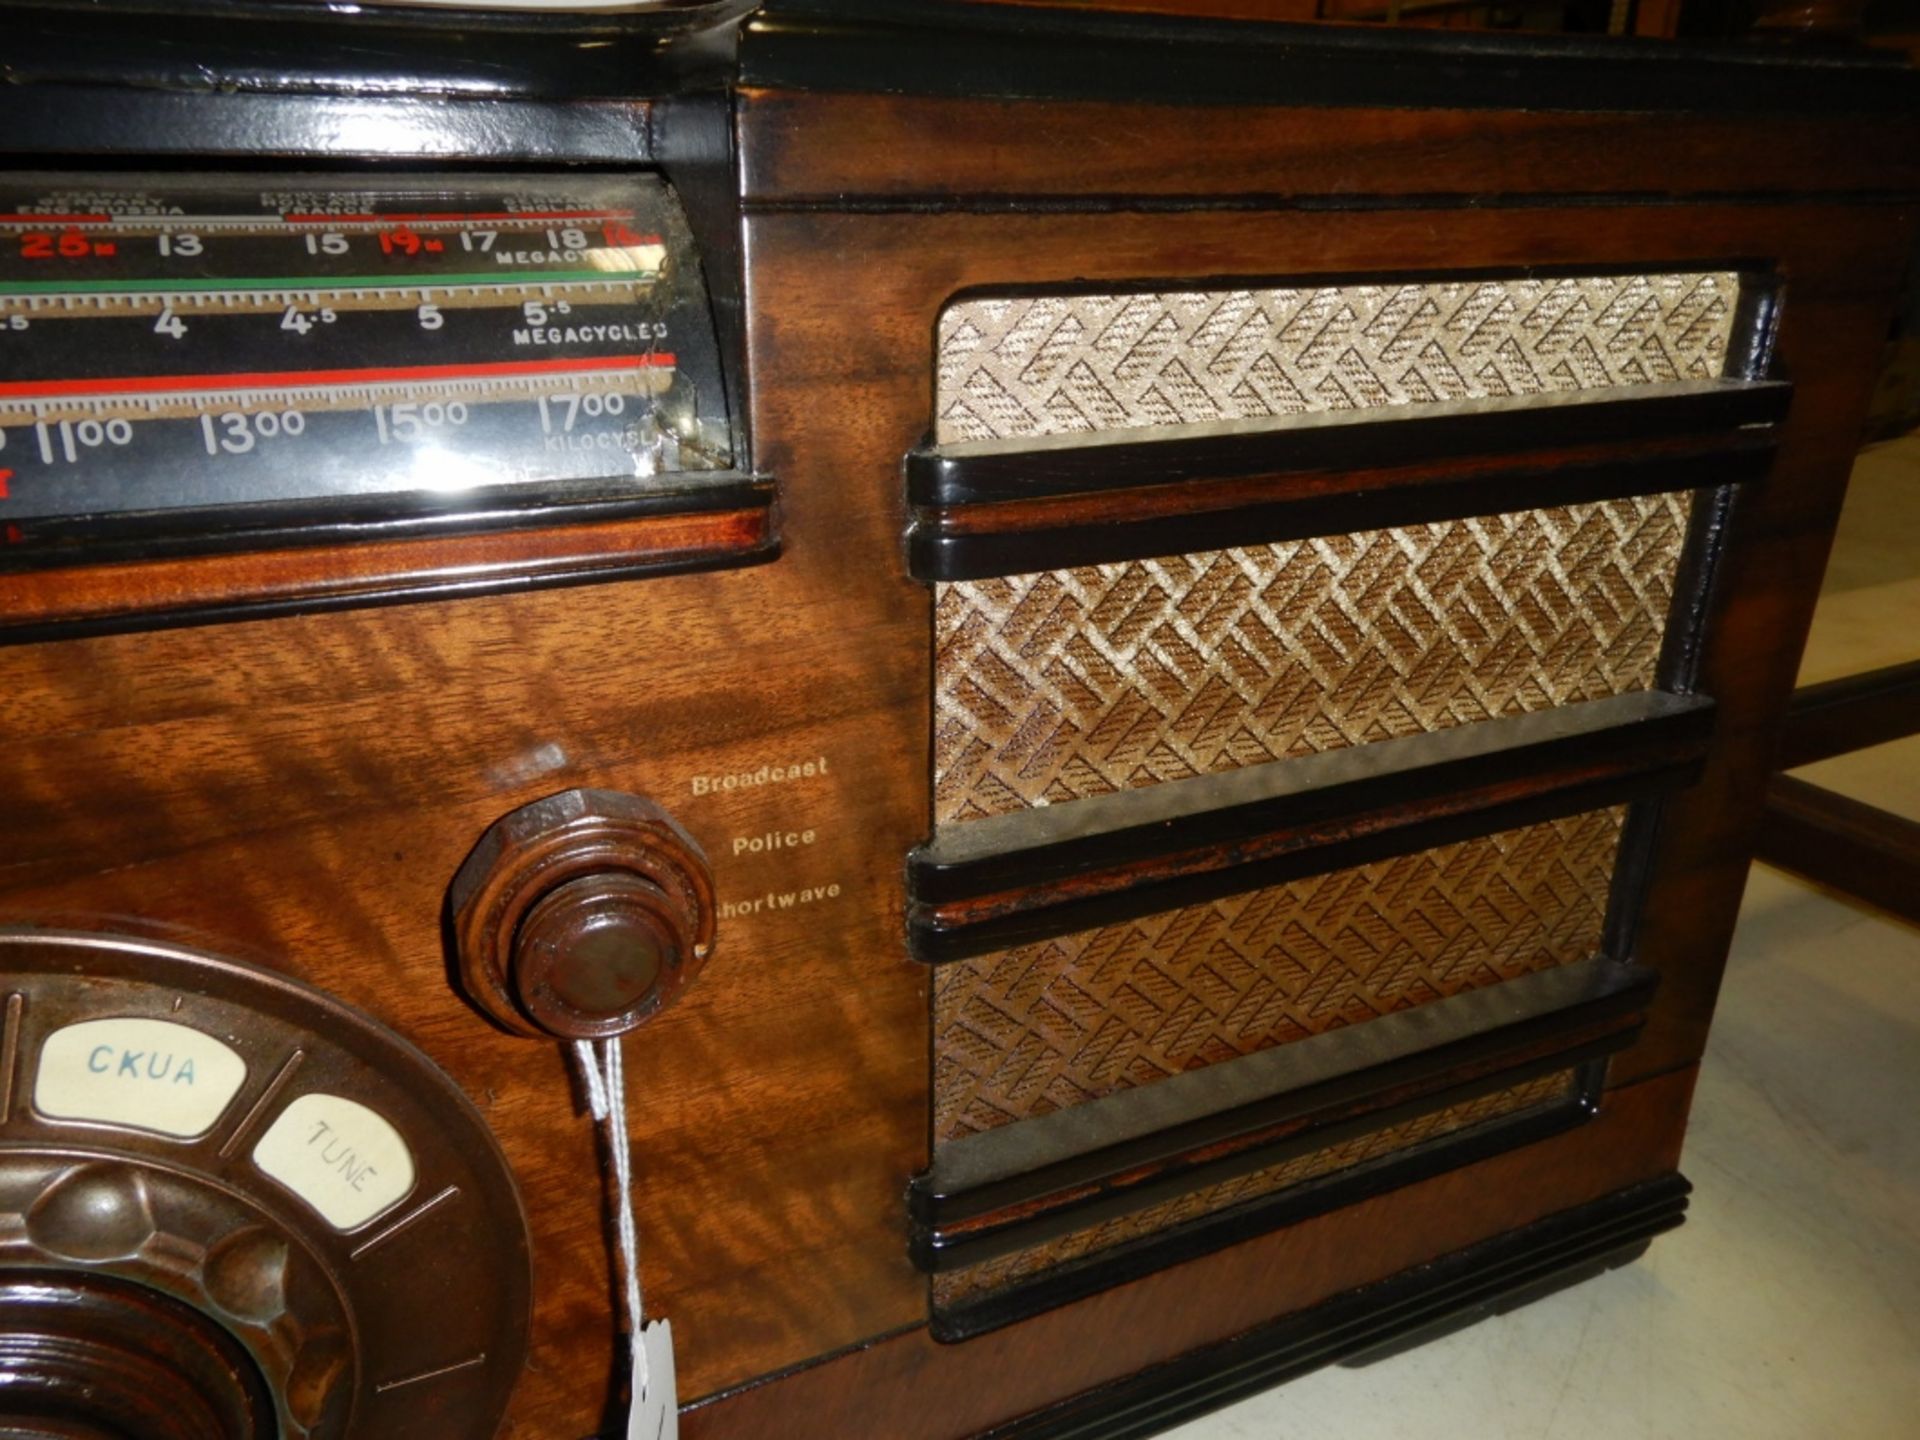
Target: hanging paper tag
656,1405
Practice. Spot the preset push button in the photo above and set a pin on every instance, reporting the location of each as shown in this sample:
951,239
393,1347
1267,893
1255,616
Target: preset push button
143,1074
343,1159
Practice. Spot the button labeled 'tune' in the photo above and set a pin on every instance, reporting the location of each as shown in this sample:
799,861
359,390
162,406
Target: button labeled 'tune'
343,1159
142,1074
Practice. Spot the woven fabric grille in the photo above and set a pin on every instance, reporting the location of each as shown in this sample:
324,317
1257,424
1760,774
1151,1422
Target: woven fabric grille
1058,685
1065,684
1024,1032
988,1276
1060,364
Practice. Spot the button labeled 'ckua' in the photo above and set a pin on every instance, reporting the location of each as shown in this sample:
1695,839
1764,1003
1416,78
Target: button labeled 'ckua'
343,1159
142,1074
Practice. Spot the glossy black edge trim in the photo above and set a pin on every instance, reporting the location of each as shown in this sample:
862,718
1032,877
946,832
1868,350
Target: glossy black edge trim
1633,871
1325,1074
1698,587
1756,320
1851,713
974,473
1032,53
1696,599
1696,590
295,46
177,617
934,554
1075,1280
942,1252
69,123
935,944
1013,202
1497,1274
1299,798
1698,596
360,519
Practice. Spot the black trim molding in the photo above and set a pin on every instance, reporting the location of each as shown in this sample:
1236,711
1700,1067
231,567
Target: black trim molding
1208,487
934,47
1019,1185
980,472
984,885
1454,1290
1064,1284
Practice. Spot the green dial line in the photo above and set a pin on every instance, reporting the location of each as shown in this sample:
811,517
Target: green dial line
318,282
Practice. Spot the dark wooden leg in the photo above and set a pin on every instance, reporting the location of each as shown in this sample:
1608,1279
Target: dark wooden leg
1851,714
1844,844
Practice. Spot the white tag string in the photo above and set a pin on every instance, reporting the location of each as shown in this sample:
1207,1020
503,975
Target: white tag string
654,1413
606,1082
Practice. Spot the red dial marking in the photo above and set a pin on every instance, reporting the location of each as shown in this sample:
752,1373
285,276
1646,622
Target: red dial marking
280,379
453,216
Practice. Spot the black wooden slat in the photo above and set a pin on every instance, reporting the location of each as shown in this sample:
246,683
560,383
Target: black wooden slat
983,472
980,885
1329,1076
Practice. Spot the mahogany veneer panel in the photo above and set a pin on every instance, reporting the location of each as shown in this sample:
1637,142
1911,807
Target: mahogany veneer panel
375,570
285,788
804,152
300,792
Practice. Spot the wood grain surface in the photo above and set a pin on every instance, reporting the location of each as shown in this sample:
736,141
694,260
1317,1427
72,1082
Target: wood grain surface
804,151
301,791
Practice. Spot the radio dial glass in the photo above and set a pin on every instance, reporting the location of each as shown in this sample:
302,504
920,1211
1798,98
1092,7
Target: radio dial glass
205,354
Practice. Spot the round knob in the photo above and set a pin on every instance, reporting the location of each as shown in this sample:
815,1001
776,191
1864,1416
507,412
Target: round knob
582,915
83,1357
598,955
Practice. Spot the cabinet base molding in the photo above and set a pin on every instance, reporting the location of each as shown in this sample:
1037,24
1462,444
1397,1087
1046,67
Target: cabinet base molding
1366,1324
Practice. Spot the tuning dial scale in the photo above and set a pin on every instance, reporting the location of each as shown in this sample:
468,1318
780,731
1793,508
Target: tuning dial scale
232,1208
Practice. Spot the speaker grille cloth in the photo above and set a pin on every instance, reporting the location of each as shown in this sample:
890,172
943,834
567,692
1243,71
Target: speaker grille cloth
1063,684
990,1275
1065,363
1023,1032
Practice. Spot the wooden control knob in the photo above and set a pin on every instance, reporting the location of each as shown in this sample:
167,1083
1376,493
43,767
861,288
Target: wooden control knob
87,1357
582,915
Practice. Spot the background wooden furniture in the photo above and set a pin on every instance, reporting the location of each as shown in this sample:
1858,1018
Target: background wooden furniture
1842,843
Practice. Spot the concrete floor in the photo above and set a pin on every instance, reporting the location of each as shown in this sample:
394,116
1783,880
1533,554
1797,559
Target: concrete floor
1788,1307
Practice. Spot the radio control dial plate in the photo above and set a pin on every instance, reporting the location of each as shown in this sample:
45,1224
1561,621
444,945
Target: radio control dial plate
346,1219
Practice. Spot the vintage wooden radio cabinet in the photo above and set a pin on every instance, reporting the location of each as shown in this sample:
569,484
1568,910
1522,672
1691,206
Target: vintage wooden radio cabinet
1134,654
